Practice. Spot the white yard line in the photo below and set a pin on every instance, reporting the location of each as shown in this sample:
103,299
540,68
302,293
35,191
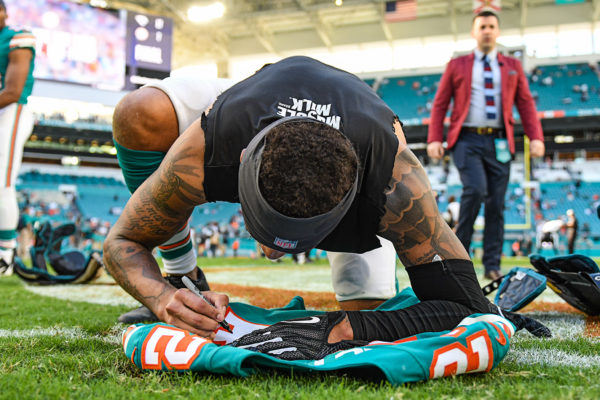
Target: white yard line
564,327
67,333
290,278
552,358
305,278
314,279
111,295
106,295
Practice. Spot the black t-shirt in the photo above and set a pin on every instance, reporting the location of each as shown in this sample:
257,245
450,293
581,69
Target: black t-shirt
304,86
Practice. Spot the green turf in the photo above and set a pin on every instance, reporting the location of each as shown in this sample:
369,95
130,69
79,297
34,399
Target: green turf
57,349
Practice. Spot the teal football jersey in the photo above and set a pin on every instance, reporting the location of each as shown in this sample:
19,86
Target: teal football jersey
12,39
477,344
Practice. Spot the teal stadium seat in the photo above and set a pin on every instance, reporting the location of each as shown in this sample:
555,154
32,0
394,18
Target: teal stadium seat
560,95
408,96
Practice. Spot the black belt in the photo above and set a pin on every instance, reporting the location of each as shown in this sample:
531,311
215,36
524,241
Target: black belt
483,130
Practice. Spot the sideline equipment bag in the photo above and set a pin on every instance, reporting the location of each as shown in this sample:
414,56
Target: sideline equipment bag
519,288
575,278
516,289
71,266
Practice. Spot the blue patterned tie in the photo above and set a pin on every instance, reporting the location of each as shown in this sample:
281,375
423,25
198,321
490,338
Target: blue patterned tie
488,89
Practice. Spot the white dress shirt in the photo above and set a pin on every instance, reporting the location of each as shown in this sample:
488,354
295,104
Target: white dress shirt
477,114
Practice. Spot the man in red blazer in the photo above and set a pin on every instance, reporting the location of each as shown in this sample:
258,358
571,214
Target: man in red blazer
484,85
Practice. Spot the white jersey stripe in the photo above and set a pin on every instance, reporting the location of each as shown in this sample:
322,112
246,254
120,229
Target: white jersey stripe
24,42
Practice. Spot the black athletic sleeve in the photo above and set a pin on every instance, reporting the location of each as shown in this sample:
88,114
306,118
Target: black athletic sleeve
427,316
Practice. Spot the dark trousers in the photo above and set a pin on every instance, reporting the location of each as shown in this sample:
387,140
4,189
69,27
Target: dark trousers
571,237
484,180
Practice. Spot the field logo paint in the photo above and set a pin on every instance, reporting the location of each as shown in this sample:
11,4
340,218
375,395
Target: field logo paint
173,347
455,359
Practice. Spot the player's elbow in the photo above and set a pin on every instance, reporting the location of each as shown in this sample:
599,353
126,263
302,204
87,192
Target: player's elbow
107,245
145,120
126,111
11,95
107,251
113,245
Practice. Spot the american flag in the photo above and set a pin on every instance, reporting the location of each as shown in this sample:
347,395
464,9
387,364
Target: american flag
401,10
492,5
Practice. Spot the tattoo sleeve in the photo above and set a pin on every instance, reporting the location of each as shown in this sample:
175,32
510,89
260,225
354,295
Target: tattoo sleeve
156,211
412,221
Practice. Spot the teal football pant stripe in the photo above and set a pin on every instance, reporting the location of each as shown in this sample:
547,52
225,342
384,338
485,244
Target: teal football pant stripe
137,165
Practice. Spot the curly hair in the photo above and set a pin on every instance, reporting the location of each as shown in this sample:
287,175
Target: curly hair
306,168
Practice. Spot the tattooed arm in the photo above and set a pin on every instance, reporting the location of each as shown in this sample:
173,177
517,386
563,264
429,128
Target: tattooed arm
412,221
156,210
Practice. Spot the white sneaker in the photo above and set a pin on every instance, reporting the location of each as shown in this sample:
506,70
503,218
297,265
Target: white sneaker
8,271
7,257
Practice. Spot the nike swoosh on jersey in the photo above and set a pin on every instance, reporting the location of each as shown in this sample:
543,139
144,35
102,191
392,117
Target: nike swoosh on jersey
312,320
284,350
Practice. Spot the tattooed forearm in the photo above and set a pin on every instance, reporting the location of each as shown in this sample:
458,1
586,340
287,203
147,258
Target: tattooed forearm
412,221
180,181
162,205
127,262
157,210
148,220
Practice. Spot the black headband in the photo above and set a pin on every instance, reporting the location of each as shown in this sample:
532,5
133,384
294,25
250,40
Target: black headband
268,226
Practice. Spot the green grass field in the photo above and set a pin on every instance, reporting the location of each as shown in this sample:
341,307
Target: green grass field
64,342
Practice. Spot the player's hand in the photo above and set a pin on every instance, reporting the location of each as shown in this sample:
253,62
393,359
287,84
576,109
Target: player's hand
298,339
435,150
188,311
536,328
537,148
